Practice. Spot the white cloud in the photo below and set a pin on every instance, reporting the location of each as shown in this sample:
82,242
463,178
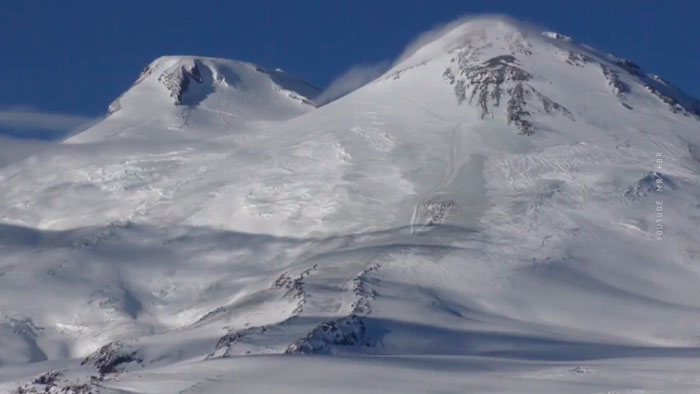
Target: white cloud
28,122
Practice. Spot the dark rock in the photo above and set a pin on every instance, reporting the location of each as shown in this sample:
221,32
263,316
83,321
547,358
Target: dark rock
48,378
577,59
110,357
630,67
653,182
516,111
618,87
178,82
348,331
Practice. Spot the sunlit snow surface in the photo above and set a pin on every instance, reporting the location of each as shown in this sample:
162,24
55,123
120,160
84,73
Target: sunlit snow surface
481,218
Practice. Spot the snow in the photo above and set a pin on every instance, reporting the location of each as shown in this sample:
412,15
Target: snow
493,228
190,96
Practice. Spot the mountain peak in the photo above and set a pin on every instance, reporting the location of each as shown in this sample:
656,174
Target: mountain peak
519,73
189,80
177,92
455,34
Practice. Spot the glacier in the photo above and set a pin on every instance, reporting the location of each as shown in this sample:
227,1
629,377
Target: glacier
503,210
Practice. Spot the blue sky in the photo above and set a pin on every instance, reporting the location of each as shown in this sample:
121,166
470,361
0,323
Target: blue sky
71,58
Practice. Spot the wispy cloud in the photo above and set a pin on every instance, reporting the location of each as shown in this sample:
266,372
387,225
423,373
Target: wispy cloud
443,28
351,80
31,123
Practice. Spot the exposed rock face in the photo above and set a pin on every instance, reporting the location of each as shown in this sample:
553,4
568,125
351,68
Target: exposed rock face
179,80
293,290
673,104
82,388
227,342
630,67
677,101
485,83
618,87
110,357
577,59
488,78
54,382
685,105
348,331
228,87
363,292
48,378
344,331
653,182
517,114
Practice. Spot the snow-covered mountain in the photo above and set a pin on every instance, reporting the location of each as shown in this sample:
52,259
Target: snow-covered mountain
505,209
189,95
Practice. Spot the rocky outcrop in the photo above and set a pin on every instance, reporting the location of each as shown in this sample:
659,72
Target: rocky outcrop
178,81
347,331
485,84
54,382
111,358
577,59
516,112
676,100
292,288
616,85
344,331
652,182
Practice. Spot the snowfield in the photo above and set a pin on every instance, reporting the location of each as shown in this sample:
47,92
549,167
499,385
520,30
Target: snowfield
503,210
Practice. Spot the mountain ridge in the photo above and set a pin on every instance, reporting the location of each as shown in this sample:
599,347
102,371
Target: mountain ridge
174,90
455,38
491,199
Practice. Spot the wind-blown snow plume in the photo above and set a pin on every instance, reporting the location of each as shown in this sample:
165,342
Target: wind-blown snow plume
351,80
360,75
441,29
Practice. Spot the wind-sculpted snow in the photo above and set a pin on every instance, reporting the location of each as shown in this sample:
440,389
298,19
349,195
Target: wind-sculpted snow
501,211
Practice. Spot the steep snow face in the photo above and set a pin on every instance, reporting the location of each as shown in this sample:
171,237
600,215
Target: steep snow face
498,193
180,92
520,75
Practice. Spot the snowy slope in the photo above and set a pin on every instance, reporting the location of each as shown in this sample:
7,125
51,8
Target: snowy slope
188,96
493,197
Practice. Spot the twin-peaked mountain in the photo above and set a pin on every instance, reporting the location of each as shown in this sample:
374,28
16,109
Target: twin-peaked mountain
494,193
